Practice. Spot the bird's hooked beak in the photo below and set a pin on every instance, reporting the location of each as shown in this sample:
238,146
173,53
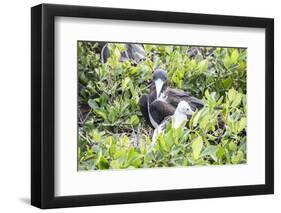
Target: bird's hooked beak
189,112
159,85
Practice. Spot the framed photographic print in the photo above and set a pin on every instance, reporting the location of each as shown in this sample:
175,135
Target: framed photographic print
140,106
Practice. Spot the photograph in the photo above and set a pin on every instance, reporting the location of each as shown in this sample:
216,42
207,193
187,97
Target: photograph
160,105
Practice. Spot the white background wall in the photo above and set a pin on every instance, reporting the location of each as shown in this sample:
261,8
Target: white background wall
15,105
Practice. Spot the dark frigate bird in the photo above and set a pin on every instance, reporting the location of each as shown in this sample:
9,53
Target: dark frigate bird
162,101
133,52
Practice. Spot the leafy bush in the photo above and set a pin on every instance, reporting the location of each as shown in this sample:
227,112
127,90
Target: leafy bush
112,131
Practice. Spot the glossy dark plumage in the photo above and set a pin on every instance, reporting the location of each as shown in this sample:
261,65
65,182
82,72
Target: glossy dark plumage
144,110
161,107
176,95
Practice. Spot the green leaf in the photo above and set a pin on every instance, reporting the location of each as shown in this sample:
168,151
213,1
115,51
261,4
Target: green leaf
227,83
204,122
196,117
125,140
203,66
120,153
116,53
232,146
207,94
197,145
101,113
220,152
193,63
162,144
103,163
134,120
234,56
83,79
96,136
211,151
133,158
235,159
237,100
125,83
132,154
242,124
227,61
93,104
114,164
231,94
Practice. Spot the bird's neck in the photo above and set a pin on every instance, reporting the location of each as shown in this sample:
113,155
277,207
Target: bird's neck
162,96
179,118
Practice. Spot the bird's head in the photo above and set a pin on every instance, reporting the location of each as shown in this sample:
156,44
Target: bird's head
184,108
159,81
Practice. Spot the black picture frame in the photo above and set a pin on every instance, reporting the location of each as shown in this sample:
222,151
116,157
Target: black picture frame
43,102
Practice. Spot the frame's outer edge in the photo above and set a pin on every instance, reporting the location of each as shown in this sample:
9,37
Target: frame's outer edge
48,108
155,16
42,110
36,85
269,99
42,106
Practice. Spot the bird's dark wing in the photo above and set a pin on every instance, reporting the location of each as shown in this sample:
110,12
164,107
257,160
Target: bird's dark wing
105,54
152,95
176,95
195,103
144,108
136,52
124,56
159,110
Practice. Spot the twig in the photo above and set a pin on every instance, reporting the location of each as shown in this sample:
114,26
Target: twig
86,138
87,116
138,135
